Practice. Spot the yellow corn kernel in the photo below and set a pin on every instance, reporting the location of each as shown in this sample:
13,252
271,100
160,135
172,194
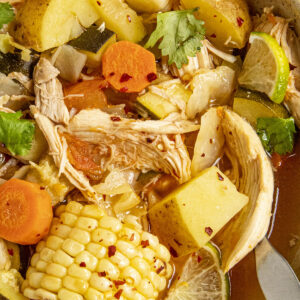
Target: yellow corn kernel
72,247
132,276
61,230
75,284
56,270
24,285
127,249
87,258
141,265
109,268
169,271
60,209
120,260
62,258
74,207
80,235
40,246
148,254
34,279
68,219
92,211
110,223
163,253
96,249
30,293
41,266
104,237
133,222
153,240
86,223
46,254
128,234
51,283
34,259
137,296
159,265
30,270
54,242
65,294
145,288
101,284
92,294
157,281
79,272
43,294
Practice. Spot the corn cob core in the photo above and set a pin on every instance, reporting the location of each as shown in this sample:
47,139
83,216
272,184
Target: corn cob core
89,255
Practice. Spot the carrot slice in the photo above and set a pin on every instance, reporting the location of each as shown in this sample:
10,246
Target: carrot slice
25,212
86,94
128,67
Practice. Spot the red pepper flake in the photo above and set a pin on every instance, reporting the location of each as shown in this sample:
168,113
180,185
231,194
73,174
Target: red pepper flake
100,240
203,155
102,274
99,3
178,243
7,203
159,270
82,265
112,74
211,141
213,35
220,177
124,89
125,77
129,18
145,243
173,252
112,250
42,188
151,77
118,294
209,231
115,119
10,252
276,160
240,21
38,235
118,283
132,237
149,141
199,258
215,16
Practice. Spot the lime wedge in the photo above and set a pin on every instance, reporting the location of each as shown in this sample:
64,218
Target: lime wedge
266,67
201,278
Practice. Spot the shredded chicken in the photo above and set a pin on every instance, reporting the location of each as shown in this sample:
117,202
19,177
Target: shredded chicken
144,145
49,93
5,262
23,79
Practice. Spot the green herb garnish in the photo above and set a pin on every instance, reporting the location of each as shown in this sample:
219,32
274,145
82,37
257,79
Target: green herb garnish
6,13
181,35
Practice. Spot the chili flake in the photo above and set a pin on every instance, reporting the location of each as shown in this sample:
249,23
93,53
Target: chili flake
160,269
209,231
115,119
178,243
173,252
199,258
240,21
118,294
10,252
102,274
151,77
118,283
124,89
82,265
145,243
213,35
132,237
99,3
112,250
125,77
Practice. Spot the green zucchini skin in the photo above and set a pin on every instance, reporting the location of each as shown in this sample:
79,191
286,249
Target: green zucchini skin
92,39
12,62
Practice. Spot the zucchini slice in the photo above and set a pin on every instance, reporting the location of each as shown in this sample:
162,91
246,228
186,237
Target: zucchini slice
93,43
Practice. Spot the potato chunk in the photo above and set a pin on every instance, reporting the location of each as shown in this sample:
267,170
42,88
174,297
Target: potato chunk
226,22
44,24
191,215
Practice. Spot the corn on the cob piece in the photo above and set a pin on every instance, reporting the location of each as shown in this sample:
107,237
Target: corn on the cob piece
89,255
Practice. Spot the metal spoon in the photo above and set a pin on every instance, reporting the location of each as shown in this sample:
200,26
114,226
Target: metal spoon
276,277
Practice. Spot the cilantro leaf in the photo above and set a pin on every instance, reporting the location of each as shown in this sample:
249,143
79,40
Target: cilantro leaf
16,134
181,35
6,13
276,134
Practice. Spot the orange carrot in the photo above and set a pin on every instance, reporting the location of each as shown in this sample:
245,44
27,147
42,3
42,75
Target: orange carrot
86,94
25,212
128,67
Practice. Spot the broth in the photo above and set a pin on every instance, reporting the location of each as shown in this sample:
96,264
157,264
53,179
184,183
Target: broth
284,234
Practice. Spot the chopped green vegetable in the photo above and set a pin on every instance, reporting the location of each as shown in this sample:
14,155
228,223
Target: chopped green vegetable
16,134
6,13
181,35
276,134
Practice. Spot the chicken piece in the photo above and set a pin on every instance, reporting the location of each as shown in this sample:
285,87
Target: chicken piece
49,93
144,145
5,262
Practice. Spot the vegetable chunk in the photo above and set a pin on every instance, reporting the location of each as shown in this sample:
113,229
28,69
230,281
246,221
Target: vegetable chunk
191,215
25,212
44,24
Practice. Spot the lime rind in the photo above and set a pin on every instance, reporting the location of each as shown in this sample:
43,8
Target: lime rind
282,63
